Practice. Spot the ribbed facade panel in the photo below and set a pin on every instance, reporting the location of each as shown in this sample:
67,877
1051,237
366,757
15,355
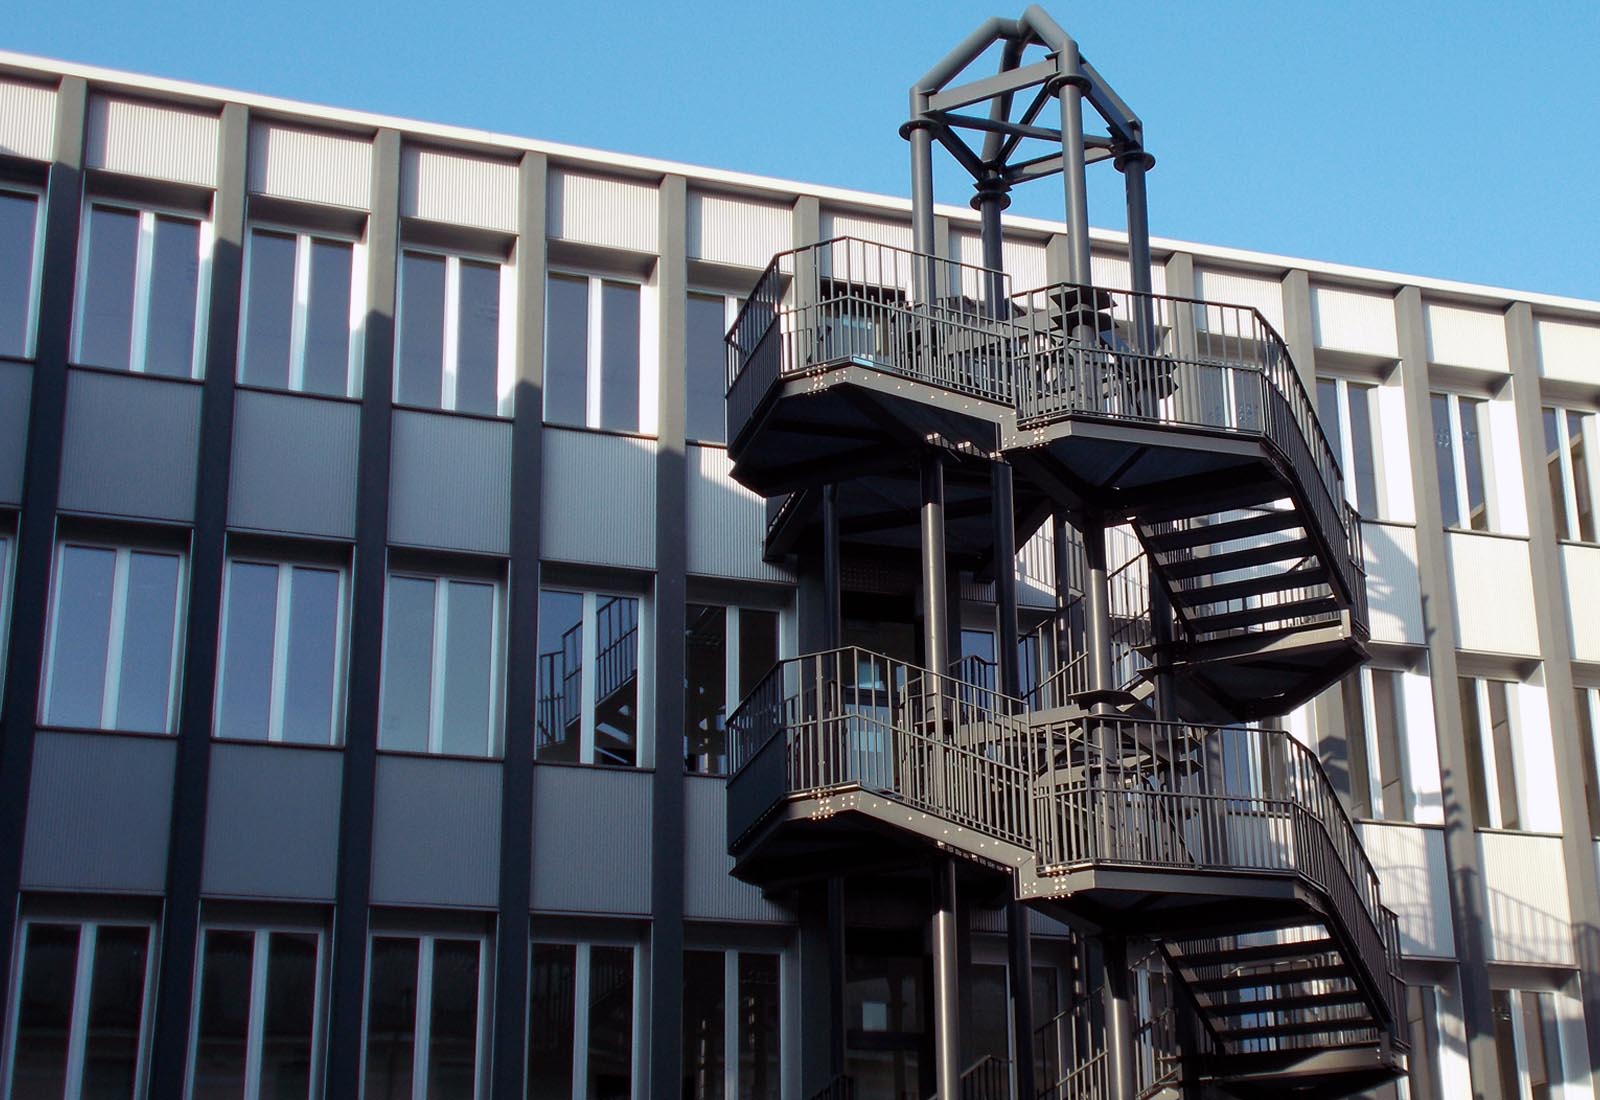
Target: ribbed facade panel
727,523
591,840
1394,588
158,142
291,163
16,383
272,823
437,186
1568,352
99,810
1483,564
1459,337
436,832
27,119
615,213
1234,289
1529,917
1022,260
710,892
1348,320
726,230
1115,272
1581,564
599,498
294,464
884,231
450,482
130,447
1416,885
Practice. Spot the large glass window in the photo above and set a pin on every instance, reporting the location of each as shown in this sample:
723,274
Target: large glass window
282,652
1348,411
580,1022
256,1021
731,1026
20,257
449,349
80,1026
141,290
706,374
441,666
1587,707
728,650
1527,1044
7,541
1569,443
1376,727
1460,427
1486,720
592,353
587,708
114,638
427,1014
300,313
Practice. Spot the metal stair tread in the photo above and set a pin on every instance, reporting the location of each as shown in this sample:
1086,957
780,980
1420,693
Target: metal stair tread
1270,979
1210,534
1303,1027
1305,577
1248,954
1266,613
1212,564
1298,1003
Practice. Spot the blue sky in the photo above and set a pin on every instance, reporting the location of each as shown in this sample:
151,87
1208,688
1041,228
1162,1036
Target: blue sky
1458,140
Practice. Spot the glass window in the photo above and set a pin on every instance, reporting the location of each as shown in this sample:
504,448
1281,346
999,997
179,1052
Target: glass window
728,651
592,353
298,332
1527,1044
140,291
80,1020
1379,786
1459,427
1569,441
441,680
1348,411
282,653
449,340
114,638
6,558
587,710
256,1023
580,1022
552,1021
731,996
706,372
1587,706
1491,752
19,271
425,1017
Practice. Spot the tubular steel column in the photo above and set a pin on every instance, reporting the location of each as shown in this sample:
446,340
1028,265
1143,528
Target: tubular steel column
1061,536
990,202
935,609
1071,83
832,582
920,134
1119,1016
946,984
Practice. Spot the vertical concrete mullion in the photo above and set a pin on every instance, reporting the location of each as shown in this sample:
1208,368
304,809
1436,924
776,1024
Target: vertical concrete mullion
1469,903
41,482
667,783
180,927
508,1072
1551,612
346,1000
1298,328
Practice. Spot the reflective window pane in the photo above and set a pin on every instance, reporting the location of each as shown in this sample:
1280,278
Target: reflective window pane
566,350
145,684
1363,470
469,668
478,339
558,715
223,1029
327,340
704,1028
249,626
707,369
1445,459
616,673
552,1019
1582,487
705,694
288,1027
619,357
420,363
407,665
268,310
174,285
19,214
116,1010
758,648
610,1008
1386,728
82,636
311,672
105,324
44,1011
1472,453
760,1040
1555,472
453,1020
391,1018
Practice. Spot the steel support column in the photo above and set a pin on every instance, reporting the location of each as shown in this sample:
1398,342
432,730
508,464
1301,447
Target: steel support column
1097,603
935,608
1118,995
836,975
946,984
832,581
1070,86
990,202
920,134
1060,531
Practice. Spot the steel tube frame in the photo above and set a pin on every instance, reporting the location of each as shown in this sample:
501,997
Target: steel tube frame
832,581
935,608
1118,996
946,981
1070,86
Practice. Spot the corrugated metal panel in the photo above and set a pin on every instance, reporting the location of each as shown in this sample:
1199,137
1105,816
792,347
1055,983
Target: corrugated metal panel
312,167
994,920
436,832
294,464
131,444
1352,321
1481,564
272,822
613,212
1568,352
579,526
1529,919
16,384
1415,883
99,810
1581,566
726,522
576,809
1394,590
1230,288
450,482
1466,337
1036,569
709,891
27,119
727,230
1114,272
159,141
895,233
449,187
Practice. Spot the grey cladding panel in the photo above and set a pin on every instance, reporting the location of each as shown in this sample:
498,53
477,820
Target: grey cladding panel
591,840
599,500
272,823
16,382
450,482
99,810
131,444
709,891
294,464
436,832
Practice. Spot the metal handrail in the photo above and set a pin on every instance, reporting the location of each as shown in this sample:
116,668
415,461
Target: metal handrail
841,1087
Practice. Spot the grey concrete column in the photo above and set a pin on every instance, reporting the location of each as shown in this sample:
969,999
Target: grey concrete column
1298,328
1180,275
1551,612
946,981
1469,903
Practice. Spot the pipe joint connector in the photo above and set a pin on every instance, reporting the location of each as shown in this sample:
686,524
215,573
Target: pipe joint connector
909,128
1128,157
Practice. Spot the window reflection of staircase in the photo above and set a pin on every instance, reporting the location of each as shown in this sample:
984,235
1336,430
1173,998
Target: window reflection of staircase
559,714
